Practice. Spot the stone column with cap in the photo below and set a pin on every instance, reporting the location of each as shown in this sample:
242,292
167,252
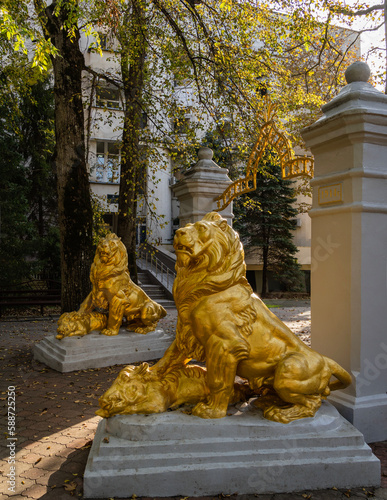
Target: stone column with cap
349,246
200,186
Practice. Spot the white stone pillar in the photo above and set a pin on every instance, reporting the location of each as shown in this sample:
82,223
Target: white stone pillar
349,247
201,185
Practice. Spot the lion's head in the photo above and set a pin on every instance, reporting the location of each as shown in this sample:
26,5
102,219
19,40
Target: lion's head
111,250
209,259
110,256
130,393
69,324
212,248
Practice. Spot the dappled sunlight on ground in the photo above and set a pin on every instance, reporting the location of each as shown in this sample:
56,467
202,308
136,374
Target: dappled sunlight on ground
56,419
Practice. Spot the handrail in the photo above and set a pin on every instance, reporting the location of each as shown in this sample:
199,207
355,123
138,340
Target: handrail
164,275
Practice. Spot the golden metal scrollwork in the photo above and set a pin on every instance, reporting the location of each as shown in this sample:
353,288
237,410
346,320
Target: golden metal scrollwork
222,323
114,297
272,137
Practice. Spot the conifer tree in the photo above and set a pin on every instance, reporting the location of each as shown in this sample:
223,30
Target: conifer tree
265,219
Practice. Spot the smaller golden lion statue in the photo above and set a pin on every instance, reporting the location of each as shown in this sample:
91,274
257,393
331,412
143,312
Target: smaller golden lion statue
114,292
137,390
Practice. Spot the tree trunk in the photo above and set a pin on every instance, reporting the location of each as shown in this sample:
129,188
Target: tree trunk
133,47
265,252
74,204
127,205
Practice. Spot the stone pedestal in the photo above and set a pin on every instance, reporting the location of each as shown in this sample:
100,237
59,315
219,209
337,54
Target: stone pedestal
349,247
201,185
172,453
95,350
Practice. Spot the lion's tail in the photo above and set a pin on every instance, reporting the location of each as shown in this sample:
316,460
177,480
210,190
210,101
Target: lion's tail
344,379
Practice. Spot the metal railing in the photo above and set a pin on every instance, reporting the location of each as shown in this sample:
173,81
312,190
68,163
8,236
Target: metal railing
150,262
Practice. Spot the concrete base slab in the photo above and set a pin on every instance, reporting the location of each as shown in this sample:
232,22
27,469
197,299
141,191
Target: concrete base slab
173,453
96,351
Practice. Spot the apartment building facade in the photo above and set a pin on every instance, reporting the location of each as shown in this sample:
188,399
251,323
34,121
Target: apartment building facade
158,211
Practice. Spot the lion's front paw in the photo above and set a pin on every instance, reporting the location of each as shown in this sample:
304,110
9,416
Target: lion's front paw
103,413
204,410
286,415
109,332
144,329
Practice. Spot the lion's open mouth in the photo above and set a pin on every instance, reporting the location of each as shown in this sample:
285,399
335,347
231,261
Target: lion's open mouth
183,248
104,256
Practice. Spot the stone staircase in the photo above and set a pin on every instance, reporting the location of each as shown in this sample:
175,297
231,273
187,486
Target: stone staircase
154,291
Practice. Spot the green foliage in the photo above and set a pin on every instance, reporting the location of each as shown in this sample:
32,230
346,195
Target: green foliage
265,219
205,68
29,239
100,229
47,252
219,143
15,229
206,60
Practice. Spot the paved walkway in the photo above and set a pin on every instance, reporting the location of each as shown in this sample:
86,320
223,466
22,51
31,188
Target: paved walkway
55,421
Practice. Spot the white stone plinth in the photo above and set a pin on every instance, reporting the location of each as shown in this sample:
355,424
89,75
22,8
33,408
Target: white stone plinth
172,453
95,350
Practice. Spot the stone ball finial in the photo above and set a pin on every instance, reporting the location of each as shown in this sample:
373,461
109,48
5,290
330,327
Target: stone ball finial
205,153
358,72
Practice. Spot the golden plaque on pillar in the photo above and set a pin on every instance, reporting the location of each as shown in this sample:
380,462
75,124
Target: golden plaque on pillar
224,325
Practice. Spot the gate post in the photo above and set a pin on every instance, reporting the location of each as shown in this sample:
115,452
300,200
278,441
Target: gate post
349,247
201,184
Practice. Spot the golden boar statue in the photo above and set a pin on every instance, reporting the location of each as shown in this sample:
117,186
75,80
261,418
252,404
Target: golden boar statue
222,323
114,292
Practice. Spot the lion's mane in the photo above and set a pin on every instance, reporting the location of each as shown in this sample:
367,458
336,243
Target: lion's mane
218,268
118,258
116,265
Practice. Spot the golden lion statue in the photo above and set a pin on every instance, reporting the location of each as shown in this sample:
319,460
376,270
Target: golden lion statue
137,390
114,292
223,323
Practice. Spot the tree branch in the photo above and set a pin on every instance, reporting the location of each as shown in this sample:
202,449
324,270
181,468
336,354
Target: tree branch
349,12
183,40
103,76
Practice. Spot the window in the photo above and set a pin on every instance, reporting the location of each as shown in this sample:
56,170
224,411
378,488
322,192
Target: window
225,127
141,230
182,122
181,125
108,97
112,199
107,41
107,162
180,81
224,84
143,120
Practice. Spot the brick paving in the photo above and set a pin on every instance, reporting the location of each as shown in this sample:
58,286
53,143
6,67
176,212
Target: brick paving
55,422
